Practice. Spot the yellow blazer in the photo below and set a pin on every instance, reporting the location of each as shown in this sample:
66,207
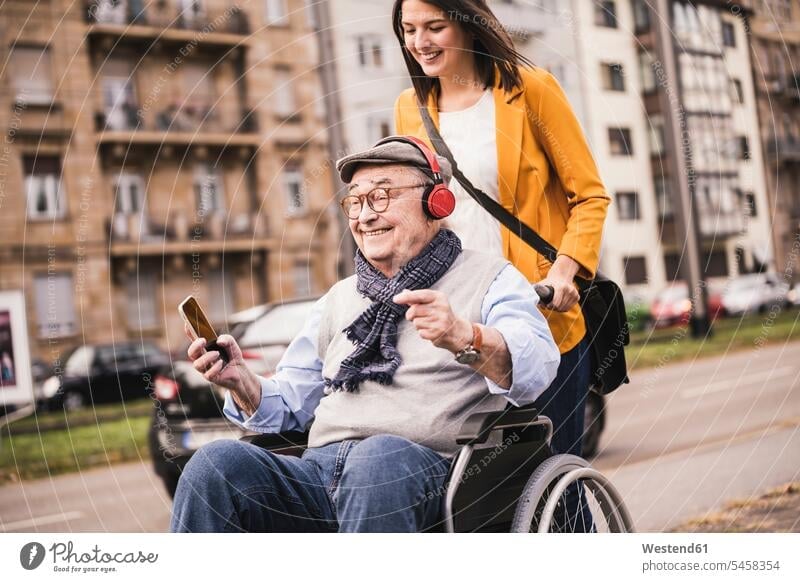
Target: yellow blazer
547,177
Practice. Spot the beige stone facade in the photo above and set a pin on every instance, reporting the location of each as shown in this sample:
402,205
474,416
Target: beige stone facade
776,71
157,149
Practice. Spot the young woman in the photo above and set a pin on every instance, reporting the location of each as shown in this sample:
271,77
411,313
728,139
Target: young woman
513,134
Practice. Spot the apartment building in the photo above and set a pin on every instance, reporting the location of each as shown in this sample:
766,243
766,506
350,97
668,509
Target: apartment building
155,149
715,105
775,28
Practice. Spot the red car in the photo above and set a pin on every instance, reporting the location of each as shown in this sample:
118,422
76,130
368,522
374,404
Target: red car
672,306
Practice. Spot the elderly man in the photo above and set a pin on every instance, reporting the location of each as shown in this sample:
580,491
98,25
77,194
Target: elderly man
390,363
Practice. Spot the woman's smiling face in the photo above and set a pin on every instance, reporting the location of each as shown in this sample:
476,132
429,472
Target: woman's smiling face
440,45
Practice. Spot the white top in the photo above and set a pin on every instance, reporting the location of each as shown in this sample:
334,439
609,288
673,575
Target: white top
470,134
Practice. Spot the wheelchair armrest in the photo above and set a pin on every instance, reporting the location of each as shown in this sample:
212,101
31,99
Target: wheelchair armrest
279,440
478,426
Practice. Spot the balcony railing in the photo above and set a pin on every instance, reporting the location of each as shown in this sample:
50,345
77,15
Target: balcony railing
166,15
783,86
185,118
713,224
786,150
719,224
216,227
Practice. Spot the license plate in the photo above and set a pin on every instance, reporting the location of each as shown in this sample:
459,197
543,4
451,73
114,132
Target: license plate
196,439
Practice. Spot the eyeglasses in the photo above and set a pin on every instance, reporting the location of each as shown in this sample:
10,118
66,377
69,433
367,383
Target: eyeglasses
377,199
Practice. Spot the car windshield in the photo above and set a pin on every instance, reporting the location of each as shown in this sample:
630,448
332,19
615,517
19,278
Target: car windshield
79,362
280,325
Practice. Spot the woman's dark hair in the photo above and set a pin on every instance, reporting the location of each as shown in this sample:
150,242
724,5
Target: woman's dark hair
493,48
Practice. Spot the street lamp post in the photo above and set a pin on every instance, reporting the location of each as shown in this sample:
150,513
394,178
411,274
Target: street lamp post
678,142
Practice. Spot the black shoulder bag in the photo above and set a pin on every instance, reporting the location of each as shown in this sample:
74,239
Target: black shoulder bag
601,299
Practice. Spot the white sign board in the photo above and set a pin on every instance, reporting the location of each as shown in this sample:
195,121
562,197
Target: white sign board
16,383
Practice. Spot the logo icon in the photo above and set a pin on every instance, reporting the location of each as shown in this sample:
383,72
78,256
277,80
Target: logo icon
31,555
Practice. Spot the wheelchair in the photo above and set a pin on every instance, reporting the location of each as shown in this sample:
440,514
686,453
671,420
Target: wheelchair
518,485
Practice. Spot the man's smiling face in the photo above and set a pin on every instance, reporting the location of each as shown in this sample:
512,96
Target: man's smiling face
390,239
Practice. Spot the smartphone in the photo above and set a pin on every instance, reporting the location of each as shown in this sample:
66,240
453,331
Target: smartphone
193,314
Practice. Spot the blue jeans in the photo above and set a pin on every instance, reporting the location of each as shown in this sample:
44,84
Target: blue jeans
564,402
383,483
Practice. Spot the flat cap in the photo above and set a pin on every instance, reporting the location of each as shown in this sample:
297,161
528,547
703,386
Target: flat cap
393,152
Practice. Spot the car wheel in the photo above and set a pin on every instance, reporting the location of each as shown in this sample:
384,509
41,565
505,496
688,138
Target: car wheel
74,400
594,422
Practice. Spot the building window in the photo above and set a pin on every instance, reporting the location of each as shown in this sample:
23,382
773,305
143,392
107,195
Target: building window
744,148
641,16
663,198
778,10
110,11
128,194
628,206
657,146
276,12
55,307
208,190
296,202
619,139
193,13
737,92
635,270
750,205
370,52
715,264
44,194
605,14
613,77
378,128
646,71
672,266
741,261
283,101
119,103
141,289
31,75
728,34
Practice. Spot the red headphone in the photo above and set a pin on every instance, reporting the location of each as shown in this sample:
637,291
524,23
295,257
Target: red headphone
437,201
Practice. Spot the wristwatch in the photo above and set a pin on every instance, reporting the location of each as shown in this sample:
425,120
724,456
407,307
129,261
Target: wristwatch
471,353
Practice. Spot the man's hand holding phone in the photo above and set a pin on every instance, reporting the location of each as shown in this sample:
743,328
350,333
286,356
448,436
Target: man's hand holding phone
219,359
244,385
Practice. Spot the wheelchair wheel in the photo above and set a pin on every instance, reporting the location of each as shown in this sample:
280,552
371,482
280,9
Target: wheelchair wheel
565,495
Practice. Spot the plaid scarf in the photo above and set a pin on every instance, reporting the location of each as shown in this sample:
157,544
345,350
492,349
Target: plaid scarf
374,332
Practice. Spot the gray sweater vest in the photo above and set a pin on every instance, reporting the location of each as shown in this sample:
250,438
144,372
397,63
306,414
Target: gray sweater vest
431,394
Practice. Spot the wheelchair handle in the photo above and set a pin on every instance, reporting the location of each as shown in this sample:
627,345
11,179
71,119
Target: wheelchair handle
545,293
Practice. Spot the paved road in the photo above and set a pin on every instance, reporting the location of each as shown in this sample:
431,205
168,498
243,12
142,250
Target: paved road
125,497
680,440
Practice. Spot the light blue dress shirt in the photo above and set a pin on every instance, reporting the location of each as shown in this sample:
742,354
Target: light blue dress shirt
290,397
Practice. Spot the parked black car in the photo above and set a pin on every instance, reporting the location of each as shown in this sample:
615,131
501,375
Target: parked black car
96,374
